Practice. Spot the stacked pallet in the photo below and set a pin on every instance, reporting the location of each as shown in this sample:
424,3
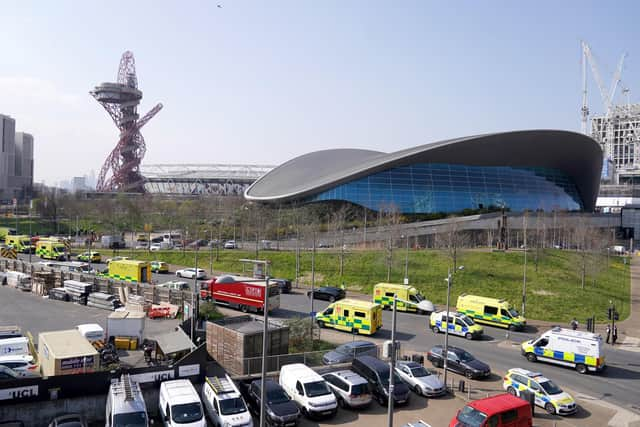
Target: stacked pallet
59,294
137,303
43,282
102,300
78,291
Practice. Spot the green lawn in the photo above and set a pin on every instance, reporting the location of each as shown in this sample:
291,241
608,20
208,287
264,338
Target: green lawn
553,292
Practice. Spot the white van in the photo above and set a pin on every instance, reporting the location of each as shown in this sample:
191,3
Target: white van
125,404
224,404
179,405
308,389
14,346
577,349
91,331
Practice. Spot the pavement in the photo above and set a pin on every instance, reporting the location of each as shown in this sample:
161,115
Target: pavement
629,329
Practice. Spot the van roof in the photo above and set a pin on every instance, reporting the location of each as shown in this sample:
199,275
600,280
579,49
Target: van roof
484,299
126,396
222,387
13,340
496,404
574,334
302,372
374,363
393,285
180,391
129,262
365,305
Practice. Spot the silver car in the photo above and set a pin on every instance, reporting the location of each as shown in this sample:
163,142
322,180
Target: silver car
419,379
351,390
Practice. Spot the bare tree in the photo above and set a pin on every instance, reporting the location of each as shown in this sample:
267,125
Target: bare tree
451,240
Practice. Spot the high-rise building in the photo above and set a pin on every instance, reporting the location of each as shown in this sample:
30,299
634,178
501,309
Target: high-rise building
16,161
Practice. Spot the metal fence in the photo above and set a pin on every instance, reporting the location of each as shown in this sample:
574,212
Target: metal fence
253,365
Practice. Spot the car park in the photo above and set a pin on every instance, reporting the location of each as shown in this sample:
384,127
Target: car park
159,267
90,257
419,379
190,273
308,389
351,390
458,324
224,404
283,284
346,352
19,363
280,410
546,393
376,372
460,361
68,420
327,293
179,404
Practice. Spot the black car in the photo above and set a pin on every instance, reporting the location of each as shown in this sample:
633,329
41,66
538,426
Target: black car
460,361
280,409
283,284
376,372
346,352
328,293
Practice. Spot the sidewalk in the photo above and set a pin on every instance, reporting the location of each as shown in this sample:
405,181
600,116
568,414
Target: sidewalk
629,329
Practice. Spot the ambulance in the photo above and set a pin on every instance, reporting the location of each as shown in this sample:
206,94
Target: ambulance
458,324
352,315
47,249
130,270
577,349
20,243
491,311
409,298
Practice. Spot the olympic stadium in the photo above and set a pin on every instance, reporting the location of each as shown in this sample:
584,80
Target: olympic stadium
550,170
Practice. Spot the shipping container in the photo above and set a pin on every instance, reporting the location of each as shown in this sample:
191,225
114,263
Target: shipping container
66,352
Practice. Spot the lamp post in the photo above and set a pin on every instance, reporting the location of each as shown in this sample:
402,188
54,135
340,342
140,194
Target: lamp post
194,296
392,363
211,251
524,271
31,248
445,354
265,331
406,263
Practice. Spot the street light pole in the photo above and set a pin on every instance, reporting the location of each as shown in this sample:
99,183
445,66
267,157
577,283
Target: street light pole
211,251
194,297
392,363
406,264
30,242
445,353
524,273
265,331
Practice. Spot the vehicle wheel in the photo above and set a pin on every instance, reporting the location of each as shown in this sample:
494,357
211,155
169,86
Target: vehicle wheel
320,324
438,363
581,368
416,390
332,299
531,357
435,329
343,404
550,408
178,274
244,308
468,336
468,374
512,327
512,391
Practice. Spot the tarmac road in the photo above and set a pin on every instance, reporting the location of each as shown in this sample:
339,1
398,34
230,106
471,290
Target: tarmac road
617,384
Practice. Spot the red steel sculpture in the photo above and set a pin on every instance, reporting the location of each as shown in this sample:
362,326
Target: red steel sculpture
121,101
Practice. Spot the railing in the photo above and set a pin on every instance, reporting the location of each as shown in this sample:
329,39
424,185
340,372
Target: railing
253,365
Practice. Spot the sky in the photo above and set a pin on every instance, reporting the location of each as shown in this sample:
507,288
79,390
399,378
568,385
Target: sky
257,82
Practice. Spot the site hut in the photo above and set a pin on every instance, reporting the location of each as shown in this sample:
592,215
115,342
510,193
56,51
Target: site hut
66,352
130,270
173,345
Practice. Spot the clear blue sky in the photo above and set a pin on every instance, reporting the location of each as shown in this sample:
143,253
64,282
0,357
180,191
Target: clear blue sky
261,82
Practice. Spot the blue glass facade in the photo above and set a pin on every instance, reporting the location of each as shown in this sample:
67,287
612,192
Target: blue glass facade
448,188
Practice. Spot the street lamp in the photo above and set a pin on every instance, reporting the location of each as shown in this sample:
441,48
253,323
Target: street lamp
406,263
392,363
445,354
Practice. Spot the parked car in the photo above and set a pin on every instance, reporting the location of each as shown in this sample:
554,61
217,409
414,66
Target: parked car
155,247
175,285
351,390
500,410
159,267
378,374
422,381
190,273
117,258
283,284
460,361
68,420
324,245
19,363
346,352
7,373
547,394
328,293
280,409
90,257
419,423
142,245
230,244
198,243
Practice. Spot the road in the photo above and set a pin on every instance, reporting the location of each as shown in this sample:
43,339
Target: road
618,384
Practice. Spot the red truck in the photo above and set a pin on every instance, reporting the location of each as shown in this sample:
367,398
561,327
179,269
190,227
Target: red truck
243,293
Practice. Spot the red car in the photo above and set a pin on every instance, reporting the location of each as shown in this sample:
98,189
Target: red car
503,410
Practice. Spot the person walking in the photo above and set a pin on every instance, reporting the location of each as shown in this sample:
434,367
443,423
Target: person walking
574,324
615,334
608,333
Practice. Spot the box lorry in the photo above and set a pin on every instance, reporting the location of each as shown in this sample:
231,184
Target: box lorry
243,293
130,271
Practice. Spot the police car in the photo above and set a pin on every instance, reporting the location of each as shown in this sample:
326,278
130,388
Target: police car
459,324
547,394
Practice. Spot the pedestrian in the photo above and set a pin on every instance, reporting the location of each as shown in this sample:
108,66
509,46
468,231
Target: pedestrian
615,334
574,324
608,333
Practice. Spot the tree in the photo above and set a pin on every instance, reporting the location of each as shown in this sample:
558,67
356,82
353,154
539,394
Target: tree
451,240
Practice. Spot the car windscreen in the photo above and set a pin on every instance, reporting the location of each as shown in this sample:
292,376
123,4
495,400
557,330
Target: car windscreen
132,419
420,372
276,396
186,413
232,406
466,320
471,417
345,349
513,312
316,388
550,387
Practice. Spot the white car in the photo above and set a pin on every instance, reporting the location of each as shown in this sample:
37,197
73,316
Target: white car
175,285
155,247
230,244
190,273
19,363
